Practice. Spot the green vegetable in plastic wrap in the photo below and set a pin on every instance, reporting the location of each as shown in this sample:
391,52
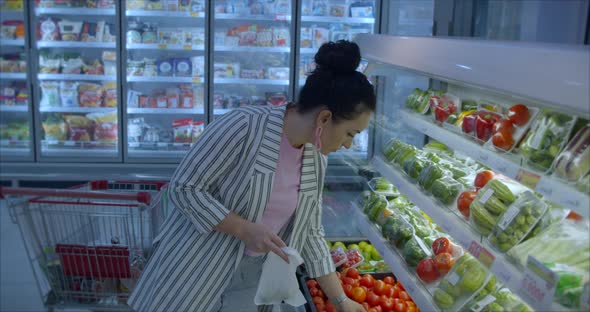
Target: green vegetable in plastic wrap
423,231
392,149
398,230
429,174
481,219
455,170
409,152
446,189
569,285
413,166
437,147
473,279
379,205
495,206
382,184
443,300
414,251
502,191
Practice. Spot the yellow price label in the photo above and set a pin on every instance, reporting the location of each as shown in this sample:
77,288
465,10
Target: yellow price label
197,79
196,14
162,46
188,47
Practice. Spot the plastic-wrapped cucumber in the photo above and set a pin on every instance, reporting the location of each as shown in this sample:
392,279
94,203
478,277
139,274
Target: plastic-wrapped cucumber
382,186
393,148
383,216
481,220
431,173
407,153
446,189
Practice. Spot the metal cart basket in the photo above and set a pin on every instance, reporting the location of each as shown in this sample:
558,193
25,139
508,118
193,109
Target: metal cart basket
88,245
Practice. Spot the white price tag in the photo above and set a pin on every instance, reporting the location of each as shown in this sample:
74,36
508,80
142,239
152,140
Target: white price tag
508,216
480,305
488,193
538,284
453,278
69,143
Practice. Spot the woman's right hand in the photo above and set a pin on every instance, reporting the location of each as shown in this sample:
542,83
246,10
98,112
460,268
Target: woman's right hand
260,238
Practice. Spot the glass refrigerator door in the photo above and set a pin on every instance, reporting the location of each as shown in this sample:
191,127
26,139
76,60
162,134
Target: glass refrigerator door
252,53
15,116
332,20
165,53
76,92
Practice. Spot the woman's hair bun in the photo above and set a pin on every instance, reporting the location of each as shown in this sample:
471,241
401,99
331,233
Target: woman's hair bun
340,57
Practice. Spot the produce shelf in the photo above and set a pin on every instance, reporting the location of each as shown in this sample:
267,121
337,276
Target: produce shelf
74,11
15,108
335,19
77,109
415,288
190,111
165,79
12,42
271,82
253,49
76,44
155,13
158,46
13,76
511,275
76,77
507,164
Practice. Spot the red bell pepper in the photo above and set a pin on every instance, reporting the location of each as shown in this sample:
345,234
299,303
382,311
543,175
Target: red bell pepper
468,124
484,124
443,106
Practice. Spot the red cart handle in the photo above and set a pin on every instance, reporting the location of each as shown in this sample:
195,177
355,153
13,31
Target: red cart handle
142,197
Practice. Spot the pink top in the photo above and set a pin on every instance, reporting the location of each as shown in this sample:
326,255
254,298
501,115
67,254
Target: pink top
285,191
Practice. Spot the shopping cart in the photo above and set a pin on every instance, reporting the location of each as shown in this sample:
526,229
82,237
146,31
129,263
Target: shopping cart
88,245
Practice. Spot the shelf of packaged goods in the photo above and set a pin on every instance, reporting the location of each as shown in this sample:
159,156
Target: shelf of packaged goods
277,17
13,76
271,82
165,111
15,108
74,148
82,110
453,225
74,11
415,288
12,42
253,49
76,44
165,79
76,77
162,46
505,163
339,20
158,13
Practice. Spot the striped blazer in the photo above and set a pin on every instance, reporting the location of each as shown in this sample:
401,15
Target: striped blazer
230,168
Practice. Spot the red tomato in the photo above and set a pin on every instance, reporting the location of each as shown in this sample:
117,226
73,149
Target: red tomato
311,284
483,178
427,270
330,307
352,273
359,295
379,287
348,280
366,306
504,124
389,280
314,292
372,298
442,244
389,292
410,309
403,295
400,286
367,280
318,299
386,303
519,114
321,293
484,124
444,262
348,290
356,282
468,124
320,307
365,288
503,140
374,309
464,202
400,307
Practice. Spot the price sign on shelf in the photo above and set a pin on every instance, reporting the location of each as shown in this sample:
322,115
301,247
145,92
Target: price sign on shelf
69,143
280,17
187,47
162,46
481,253
538,284
197,79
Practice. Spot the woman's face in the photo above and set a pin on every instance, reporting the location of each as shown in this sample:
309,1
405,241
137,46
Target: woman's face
336,135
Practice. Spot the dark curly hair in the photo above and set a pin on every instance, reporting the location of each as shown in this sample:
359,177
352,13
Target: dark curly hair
336,84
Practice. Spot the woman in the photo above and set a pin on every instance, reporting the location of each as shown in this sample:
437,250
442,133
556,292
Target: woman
252,184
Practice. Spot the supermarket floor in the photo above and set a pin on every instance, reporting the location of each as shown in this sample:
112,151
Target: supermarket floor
18,290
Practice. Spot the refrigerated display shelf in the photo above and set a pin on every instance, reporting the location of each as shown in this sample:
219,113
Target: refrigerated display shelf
221,111
76,44
252,49
505,163
172,111
158,46
12,42
278,17
13,76
55,148
77,109
165,79
271,82
308,50
339,20
150,153
415,288
74,11
156,13
14,151
511,275
76,77
14,108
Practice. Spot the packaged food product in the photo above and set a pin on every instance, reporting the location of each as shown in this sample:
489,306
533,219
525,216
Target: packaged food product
362,9
252,73
134,33
319,7
354,258
8,96
70,30
198,66
109,33
55,127
91,94
133,98
247,37
170,5
49,63
92,32
382,186
79,127
182,67
398,230
413,166
279,73
431,173
218,100
72,64
165,67
306,37
419,99
49,30
276,98
68,92
338,256
198,128
320,36
574,162
8,29
50,94
182,130
135,128
170,35
444,106
281,37
264,37
149,67
547,137
135,68
110,93
105,126
415,250
338,8
198,101
226,70
517,221
149,34
446,189
282,7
